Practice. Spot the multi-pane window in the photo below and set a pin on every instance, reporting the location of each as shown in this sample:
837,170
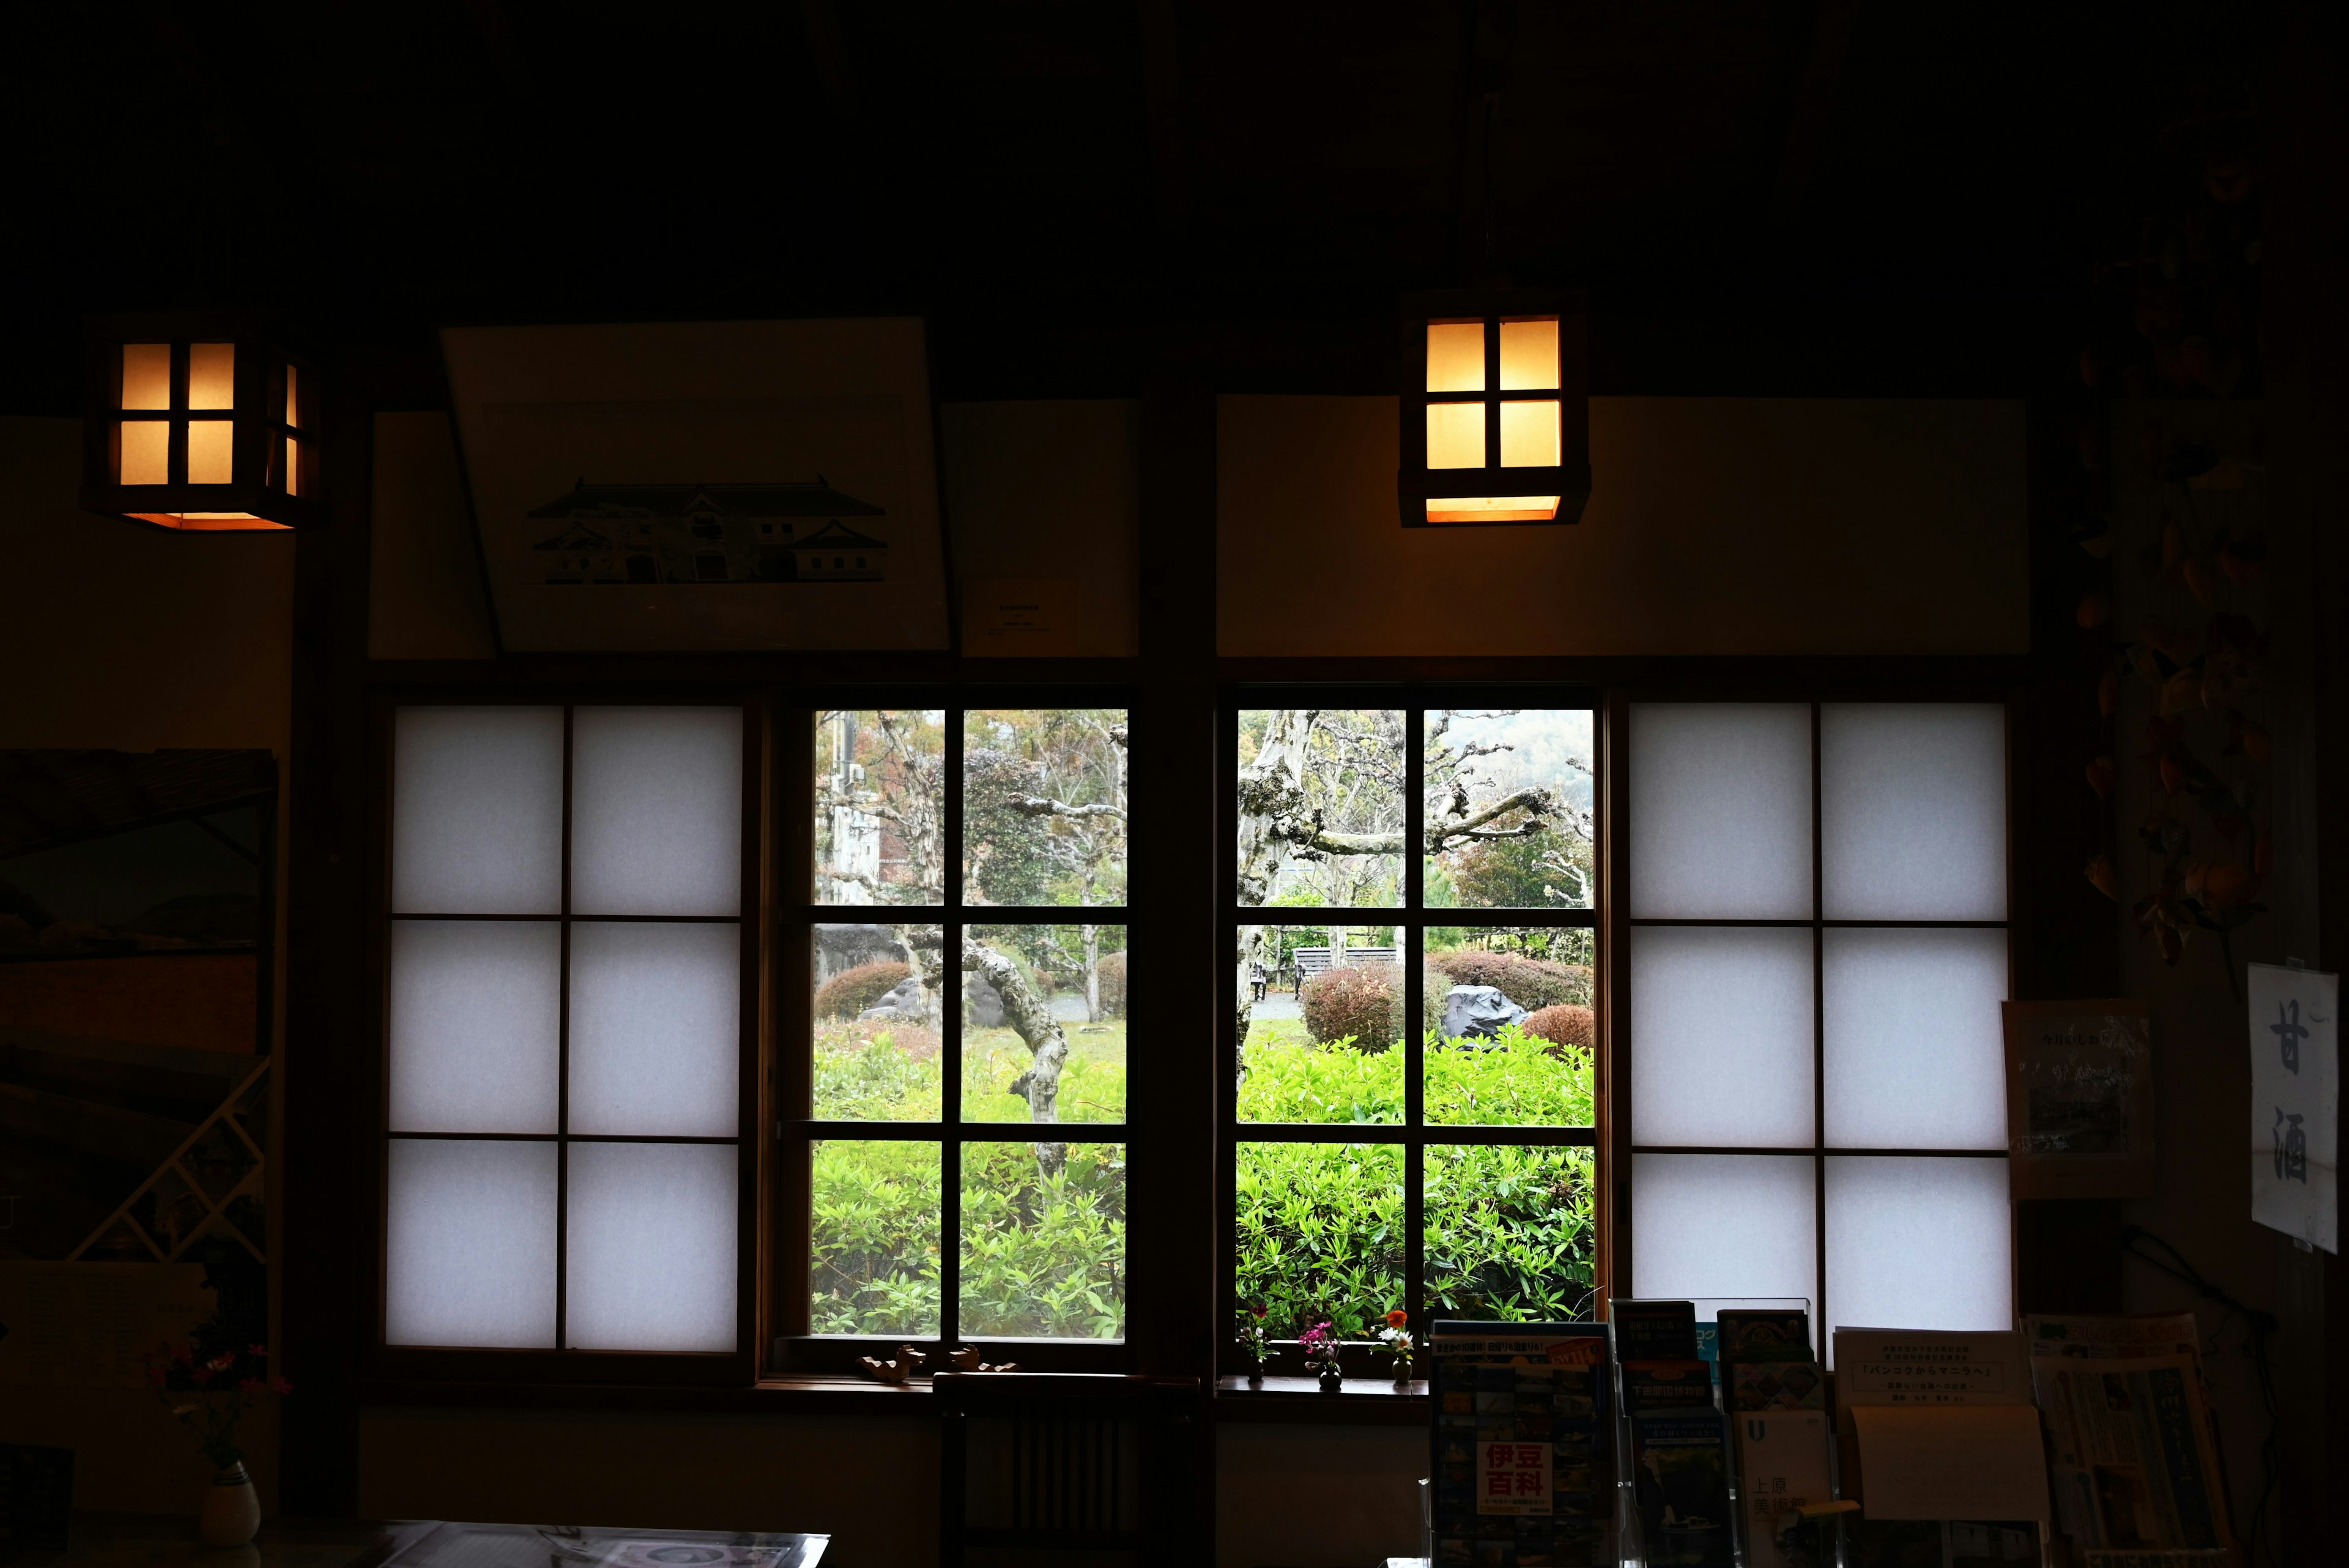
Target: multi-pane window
566,1010
961,1122
1816,906
1408,1103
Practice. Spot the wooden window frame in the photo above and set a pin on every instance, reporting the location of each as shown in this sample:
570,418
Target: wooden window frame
560,1365
1620,1020
792,1349
778,919
1413,1134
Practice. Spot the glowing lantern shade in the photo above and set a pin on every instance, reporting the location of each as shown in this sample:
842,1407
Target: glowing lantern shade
1494,414
204,423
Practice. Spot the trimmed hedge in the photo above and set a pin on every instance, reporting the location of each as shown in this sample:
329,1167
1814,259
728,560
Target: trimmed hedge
1532,983
852,991
1112,973
1358,1002
1568,1024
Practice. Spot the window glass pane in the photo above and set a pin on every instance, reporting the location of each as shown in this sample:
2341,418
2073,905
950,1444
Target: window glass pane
656,1025
1324,1045
1044,1241
1721,1035
1456,435
211,376
1912,811
1043,801
1456,356
1319,1232
880,807
1529,434
1724,1225
1509,1035
145,451
1915,1050
146,376
1508,808
292,396
1321,807
1719,819
477,811
1529,354
878,1039
211,451
656,811
469,1243
1044,1023
650,1253
475,1007
875,1238
1919,1244
1509,1232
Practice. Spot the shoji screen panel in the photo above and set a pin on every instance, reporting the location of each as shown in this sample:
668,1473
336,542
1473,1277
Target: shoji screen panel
1815,925
566,996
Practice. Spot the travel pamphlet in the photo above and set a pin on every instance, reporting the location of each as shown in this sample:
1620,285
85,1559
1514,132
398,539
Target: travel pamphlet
1521,1451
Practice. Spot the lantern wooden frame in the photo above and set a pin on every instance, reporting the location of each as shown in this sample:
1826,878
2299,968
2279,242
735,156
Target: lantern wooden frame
1420,489
274,420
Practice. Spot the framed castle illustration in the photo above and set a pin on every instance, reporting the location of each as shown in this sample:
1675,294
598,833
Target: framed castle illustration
702,485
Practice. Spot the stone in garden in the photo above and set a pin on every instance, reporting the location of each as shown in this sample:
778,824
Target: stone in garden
903,1000
1478,1012
982,1004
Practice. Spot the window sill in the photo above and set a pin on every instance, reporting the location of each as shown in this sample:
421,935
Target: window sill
1359,1402
793,1395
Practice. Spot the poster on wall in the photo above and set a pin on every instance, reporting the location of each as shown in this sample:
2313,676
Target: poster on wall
703,485
2295,1035
2079,1099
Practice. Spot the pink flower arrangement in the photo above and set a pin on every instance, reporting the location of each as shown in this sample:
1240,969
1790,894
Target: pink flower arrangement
1320,1344
212,1396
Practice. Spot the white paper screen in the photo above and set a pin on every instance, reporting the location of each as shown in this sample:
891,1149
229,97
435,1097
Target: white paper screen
477,811
1721,1035
470,1244
656,811
1917,1243
1915,1054
475,1018
1724,1225
655,1021
1720,810
651,1250
1912,811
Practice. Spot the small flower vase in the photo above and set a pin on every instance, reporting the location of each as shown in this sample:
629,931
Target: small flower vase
231,1510
1332,1380
1403,1374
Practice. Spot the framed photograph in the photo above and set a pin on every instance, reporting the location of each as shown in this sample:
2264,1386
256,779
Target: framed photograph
2079,1099
703,485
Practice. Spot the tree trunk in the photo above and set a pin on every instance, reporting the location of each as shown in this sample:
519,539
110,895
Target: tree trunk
1030,1016
925,956
1092,972
1271,794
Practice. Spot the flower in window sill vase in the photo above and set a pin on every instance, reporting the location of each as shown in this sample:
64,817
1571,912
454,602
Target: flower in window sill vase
1252,1339
1396,1337
1321,1345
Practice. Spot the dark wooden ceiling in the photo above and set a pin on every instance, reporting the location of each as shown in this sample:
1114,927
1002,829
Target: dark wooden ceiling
1791,196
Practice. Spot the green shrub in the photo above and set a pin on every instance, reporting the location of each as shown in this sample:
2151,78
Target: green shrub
1294,1080
876,1070
852,991
1043,1256
1508,1231
1362,1002
875,1262
1320,1228
1512,1080
1532,983
1569,1023
1112,973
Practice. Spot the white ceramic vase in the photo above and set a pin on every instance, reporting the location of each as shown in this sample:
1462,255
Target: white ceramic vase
231,1510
